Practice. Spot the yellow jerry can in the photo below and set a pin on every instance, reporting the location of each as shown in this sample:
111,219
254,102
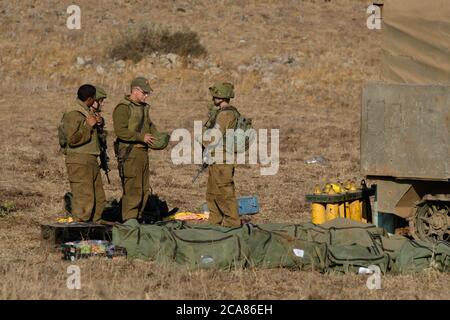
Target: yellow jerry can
318,211
332,209
355,207
342,206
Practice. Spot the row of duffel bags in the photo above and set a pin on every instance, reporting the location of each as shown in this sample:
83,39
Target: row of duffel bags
214,247
340,245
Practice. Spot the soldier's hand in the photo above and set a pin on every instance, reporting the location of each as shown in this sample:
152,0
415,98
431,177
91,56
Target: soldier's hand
149,139
91,120
100,120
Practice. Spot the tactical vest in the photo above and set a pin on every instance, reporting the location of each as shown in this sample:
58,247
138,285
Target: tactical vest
136,114
93,146
241,142
214,112
212,117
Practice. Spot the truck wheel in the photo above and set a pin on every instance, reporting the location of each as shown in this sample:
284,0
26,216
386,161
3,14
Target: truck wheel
432,221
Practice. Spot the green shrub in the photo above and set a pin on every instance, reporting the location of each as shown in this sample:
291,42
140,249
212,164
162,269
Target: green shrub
6,207
140,41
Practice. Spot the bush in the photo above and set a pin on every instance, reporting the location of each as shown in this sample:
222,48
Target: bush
7,207
138,42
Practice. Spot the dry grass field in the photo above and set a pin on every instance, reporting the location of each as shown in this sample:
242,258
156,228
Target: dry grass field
298,66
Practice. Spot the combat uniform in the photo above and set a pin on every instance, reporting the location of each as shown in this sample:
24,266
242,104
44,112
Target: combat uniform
82,151
127,117
220,189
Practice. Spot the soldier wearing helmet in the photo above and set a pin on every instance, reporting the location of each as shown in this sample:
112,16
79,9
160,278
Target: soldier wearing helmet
98,105
220,190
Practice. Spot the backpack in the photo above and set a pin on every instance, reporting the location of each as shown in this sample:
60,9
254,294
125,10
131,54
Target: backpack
243,136
241,141
155,209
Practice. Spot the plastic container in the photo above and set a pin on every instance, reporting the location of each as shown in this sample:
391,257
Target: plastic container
84,249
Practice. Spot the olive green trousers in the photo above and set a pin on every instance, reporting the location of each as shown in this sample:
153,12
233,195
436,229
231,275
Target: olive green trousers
86,186
221,197
136,183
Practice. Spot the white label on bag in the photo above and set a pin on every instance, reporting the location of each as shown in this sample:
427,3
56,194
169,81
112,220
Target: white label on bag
299,252
363,270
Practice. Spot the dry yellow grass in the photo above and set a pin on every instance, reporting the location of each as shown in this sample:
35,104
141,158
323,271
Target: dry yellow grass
315,103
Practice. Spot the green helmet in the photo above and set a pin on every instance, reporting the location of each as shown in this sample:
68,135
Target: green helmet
161,142
100,93
223,90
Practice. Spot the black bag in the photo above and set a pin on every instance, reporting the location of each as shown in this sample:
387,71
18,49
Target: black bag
155,210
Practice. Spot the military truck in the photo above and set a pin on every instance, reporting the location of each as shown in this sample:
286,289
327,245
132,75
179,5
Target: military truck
405,119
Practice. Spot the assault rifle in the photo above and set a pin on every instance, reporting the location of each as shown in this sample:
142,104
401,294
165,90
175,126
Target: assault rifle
206,161
104,158
202,168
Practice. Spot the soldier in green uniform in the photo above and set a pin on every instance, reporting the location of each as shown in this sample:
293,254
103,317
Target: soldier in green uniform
82,148
136,133
100,99
97,107
220,191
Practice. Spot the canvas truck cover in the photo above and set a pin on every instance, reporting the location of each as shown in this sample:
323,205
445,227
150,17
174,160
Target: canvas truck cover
416,42
405,131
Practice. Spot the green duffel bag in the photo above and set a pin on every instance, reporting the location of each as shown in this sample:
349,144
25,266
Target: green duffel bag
443,256
274,249
211,247
126,236
298,231
321,233
391,245
148,242
355,258
418,256
345,231
351,248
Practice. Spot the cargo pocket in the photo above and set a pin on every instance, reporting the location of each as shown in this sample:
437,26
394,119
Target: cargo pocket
129,168
224,174
77,172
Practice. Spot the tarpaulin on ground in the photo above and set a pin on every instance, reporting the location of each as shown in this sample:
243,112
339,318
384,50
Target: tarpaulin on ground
416,42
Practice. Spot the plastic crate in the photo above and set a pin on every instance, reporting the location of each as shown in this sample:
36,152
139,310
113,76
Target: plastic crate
341,197
247,205
76,250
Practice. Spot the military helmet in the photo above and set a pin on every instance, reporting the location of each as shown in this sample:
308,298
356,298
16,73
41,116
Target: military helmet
223,90
161,142
100,93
